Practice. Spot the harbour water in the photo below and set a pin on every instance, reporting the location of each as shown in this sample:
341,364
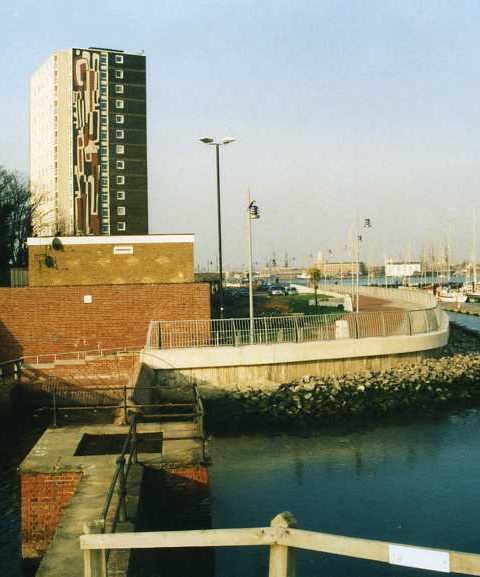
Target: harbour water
413,482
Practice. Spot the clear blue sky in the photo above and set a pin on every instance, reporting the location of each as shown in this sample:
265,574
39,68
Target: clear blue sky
335,104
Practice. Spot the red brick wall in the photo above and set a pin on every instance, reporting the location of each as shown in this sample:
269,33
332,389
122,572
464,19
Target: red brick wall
111,371
43,498
37,320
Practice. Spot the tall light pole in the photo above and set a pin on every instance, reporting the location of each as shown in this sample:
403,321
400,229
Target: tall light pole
211,142
252,214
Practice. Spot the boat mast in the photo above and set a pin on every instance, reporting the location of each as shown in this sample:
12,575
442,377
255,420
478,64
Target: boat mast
474,255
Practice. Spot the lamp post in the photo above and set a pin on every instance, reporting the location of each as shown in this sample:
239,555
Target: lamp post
211,142
252,214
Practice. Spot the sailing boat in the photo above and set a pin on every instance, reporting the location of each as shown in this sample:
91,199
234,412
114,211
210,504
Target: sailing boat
473,292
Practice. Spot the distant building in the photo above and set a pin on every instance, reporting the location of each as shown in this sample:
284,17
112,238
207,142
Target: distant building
402,269
88,143
340,269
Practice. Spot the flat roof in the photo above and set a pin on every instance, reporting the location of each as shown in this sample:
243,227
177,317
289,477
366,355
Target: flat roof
127,239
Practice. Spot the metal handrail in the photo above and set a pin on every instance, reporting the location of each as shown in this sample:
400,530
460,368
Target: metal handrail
120,477
293,329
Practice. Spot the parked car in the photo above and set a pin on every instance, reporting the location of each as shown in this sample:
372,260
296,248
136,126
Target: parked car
276,289
291,290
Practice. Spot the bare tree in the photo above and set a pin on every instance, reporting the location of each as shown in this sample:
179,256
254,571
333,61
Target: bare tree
15,221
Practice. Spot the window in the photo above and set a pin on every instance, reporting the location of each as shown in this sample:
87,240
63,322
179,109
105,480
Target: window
120,210
105,227
104,59
120,195
103,75
104,135
104,211
121,226
104,151
119,104
119,89
120,164
118,59
119,118
120,179
103,89
103,120
119,74
105,196
120,134
104,181
103,105
104,165
120,149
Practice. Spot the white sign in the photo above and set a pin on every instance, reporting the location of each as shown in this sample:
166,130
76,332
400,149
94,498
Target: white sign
419,558
341,330
87,299
123,250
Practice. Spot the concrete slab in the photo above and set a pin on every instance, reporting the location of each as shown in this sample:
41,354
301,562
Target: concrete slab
55,453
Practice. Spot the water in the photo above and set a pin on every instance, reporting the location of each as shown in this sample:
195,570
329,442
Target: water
468,321
413,482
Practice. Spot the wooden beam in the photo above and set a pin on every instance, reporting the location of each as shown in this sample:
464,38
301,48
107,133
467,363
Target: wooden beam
282,557
169,539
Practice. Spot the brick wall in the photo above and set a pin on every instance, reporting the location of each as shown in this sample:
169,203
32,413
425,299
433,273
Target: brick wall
43,498
111,371
37,320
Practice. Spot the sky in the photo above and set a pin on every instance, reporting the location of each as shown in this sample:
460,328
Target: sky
340,108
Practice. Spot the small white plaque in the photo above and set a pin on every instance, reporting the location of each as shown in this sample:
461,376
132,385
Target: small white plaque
123,250
419,558
341,329
87,299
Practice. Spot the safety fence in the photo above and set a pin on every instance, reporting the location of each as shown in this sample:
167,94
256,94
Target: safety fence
293,329
283,539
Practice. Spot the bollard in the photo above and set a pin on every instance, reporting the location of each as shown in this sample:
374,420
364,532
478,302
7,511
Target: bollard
282,558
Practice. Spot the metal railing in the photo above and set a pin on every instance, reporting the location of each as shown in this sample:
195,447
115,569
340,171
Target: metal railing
125,460
292,329
283,538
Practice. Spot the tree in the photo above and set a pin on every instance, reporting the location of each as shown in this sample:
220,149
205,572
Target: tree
16,211
315,275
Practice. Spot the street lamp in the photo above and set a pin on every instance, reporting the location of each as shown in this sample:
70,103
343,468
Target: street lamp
252,214
211,142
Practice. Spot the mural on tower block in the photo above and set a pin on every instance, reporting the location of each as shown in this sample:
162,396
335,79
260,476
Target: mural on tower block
86,141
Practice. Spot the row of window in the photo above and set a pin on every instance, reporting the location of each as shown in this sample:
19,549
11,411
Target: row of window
119,89
119,104
118,59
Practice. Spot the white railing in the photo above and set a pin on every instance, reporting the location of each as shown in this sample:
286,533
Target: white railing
283,538
419,315
292,329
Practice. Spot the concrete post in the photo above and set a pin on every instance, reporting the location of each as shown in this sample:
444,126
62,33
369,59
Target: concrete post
282,558
95,563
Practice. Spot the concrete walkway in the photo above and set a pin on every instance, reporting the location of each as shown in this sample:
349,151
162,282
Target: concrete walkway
55,454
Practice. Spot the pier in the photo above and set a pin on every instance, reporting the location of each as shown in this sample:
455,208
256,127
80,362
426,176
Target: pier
77,474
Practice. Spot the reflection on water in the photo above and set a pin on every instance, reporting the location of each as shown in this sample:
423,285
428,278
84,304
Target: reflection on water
411,482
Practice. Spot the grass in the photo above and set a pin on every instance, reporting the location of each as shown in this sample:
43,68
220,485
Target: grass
264,305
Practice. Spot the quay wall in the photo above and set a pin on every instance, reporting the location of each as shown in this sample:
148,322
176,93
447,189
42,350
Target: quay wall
219,369
36,320
43,498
